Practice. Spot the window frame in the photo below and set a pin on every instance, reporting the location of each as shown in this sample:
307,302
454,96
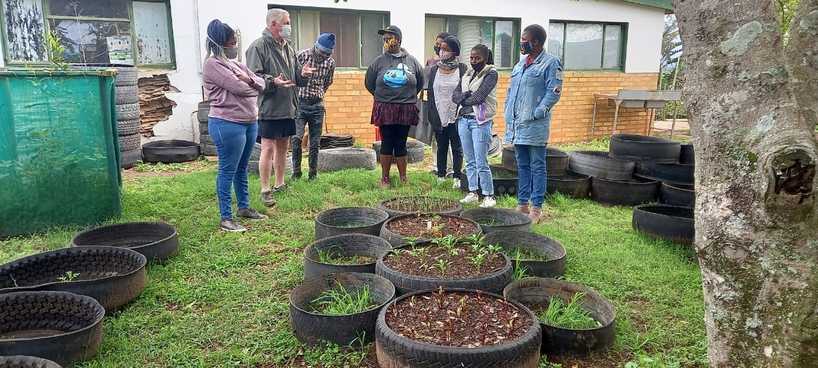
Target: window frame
47,17
623,48
516,24
357,12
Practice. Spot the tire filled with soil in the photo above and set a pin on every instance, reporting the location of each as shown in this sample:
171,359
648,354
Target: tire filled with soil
580,322
398,231
535,254
420,204
349,220
446,263
343,253
496,219
457,328
318,314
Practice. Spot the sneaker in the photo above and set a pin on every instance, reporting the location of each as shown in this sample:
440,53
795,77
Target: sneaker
267,198
231,226
488,202
535,215
280,189
522,208
441,179
456,184
470,198
251,214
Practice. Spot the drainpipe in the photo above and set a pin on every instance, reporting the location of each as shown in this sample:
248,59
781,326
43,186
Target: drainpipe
197,41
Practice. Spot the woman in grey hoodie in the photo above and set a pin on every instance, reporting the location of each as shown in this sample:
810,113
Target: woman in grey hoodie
394,79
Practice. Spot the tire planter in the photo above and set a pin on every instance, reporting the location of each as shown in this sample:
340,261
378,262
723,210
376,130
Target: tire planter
58,326
170,151
504,180
129,158
127,76
203,111
624,192
330,140
398,240
349,220
396,351
535,291
641,147
665,222
687,155
127,112
157,241
509,158
571,184
420,204
556,162
344,245
683,196
499,219
511,240
405,283
21,361
130,142
207,146
203,128
312,328
112,276
676,173
127,127
127,95
336,159
597,164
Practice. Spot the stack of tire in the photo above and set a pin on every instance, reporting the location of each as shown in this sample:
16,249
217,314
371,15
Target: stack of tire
336,141
559,178
205,141
127,115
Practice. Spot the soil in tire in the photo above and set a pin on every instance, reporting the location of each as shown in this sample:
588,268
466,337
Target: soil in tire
459,262
432,226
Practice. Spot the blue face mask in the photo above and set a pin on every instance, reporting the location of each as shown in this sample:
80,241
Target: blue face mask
526,48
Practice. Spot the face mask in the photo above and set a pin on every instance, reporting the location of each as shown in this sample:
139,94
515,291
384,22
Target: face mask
437,50
445,55
286,31
388,45
231,52
526,48
478,67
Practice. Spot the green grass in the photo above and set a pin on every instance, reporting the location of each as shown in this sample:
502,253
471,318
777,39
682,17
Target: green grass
223,301
331,256
522,254
339,301
568,315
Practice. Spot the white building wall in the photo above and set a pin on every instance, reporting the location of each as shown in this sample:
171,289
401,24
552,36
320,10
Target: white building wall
190,19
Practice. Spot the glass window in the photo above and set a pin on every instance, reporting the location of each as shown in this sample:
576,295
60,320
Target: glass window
588,46
25,31
89,8
353,48
498,35
87,41
152,33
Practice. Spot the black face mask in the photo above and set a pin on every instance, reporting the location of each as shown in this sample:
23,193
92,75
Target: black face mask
478,67
526,47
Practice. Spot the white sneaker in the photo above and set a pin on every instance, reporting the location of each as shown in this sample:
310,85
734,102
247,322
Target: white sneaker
456,184
441,179
470,198
488,202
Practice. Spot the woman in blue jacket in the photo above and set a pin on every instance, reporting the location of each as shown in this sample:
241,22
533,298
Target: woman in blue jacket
536,85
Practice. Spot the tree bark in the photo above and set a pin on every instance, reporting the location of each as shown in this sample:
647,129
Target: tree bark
753,107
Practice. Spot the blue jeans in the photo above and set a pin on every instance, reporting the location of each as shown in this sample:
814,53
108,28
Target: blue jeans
530,174
234,145
476,139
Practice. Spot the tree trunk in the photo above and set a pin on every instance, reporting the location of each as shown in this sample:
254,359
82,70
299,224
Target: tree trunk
753,106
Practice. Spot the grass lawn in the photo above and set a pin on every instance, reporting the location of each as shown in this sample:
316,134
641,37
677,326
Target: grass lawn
223,301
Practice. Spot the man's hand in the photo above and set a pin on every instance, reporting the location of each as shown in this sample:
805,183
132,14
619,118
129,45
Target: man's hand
282,82
307,71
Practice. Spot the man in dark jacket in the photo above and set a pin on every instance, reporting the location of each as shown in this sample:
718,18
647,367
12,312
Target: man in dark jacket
273,58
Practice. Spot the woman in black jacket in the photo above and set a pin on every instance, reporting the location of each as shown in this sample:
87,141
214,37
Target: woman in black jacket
444,77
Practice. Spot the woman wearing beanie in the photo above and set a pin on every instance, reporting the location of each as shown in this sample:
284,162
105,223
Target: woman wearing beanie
477,97
394,79
232,90
444,78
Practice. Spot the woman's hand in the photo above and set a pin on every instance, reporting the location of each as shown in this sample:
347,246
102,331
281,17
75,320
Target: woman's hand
244,78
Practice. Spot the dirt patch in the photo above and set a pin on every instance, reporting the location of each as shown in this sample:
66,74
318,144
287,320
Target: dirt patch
458,262
432,226
458,319
143,170
597,360
421,204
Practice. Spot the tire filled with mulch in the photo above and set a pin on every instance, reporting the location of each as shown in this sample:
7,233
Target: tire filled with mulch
400,231
531,254
349,220
421,204
22,361
340,308
343,253
457,328
496,219
448,262
575,319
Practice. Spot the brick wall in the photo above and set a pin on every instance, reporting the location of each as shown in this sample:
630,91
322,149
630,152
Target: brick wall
349,106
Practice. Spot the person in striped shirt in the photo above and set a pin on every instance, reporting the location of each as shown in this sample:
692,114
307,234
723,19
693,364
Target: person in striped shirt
311,109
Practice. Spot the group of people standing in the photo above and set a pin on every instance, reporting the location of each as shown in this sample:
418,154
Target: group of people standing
279,94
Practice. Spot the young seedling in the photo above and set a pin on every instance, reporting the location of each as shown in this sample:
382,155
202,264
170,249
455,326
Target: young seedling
494,248
442,265
478,259
520,272
69,276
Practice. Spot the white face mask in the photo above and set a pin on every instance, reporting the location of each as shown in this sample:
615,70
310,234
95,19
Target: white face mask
286,31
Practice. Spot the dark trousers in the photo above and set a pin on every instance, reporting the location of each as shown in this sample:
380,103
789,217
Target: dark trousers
446,137
312,115
393,139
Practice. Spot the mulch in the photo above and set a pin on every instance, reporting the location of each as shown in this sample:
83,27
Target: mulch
458,266
432,226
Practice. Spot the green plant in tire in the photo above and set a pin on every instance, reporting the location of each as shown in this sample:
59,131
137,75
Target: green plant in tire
331,256
520,272
569,315
339,301
478,259
68,276
442,265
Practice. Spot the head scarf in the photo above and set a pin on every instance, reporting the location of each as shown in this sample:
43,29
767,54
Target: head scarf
218,34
